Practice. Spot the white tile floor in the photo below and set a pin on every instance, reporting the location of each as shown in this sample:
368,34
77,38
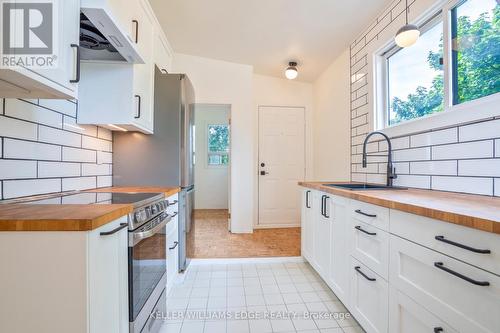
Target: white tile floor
255,298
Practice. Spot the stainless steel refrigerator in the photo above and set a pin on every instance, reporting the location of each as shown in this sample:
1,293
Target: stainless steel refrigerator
165,158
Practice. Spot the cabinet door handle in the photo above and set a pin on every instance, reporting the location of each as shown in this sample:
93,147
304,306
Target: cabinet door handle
323,205
359,211
358,269
174,214
462,246
136,30
307,199
438,329
115,230
175,245
326,198
358,227
139,100
441,266
173,203
78,58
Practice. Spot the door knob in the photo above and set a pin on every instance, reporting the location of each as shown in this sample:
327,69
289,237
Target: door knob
263,164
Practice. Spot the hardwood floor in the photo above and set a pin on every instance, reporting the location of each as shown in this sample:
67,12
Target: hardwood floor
210,238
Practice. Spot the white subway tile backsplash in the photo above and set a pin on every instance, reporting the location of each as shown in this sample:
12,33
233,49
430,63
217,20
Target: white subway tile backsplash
60,137
34,113
497,148
78,155
478,149
80,183
71,125
17,169
58,169
96,144
22,188
18,149
15,128
435,138
402,167
104,133
104,181
484,130
414,154
60,105
497,187
482,167
95,169
442,168
474,185
35,152
413,181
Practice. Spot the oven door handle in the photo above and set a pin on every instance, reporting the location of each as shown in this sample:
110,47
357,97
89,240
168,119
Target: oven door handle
138,236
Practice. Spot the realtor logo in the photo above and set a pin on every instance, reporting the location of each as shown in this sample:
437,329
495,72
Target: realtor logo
29,33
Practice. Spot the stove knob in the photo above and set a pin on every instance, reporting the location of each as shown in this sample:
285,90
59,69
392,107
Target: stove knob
139,216
154,209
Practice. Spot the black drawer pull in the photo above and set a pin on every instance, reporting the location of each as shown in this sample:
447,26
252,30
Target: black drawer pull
173,203
438,329
441,266
359,211
325,197
307,199
358,227
174,214
358,269
115,230
173,247
136,30
139,101
462,246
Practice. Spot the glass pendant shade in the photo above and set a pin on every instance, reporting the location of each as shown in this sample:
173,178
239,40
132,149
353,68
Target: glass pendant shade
407,35
291,71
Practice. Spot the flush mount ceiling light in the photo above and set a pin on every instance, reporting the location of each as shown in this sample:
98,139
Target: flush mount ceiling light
408,34
291,71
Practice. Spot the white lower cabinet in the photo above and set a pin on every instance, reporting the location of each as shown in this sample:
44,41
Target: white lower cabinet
402,273
369,298
322,225
338,276
307,224
407,316
59,282
462,295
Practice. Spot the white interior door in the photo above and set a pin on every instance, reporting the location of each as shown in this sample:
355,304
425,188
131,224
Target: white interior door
281,165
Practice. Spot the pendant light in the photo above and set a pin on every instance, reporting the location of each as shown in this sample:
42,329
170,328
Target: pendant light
291,71
408,34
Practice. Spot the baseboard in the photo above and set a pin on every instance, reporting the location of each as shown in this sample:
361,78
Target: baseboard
276,226
263,260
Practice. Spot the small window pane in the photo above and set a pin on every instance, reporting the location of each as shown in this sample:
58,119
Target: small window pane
218,145
475,49
415,78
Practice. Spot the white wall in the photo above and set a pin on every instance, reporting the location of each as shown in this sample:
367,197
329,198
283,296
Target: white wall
211,188
220,82
332,122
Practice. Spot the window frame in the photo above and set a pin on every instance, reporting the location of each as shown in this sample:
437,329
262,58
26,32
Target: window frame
452,114
220,153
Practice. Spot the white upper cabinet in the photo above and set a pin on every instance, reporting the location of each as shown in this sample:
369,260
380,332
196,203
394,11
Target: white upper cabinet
43,82
163,52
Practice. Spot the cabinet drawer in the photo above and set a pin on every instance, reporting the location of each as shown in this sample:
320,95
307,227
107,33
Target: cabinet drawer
407,316
376,216
423,230
370,246
369,298
446,287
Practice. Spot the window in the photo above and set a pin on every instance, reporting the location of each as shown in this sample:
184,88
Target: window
218,145
475,30
456,60
415,77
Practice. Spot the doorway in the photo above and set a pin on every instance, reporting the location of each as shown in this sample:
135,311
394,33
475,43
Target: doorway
281,165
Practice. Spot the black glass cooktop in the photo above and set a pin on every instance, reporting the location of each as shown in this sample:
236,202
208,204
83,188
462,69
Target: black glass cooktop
98,198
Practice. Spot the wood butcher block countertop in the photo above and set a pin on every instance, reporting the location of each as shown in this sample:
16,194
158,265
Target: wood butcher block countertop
473,211
70,217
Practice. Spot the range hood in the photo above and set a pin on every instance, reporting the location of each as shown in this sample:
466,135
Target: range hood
102,40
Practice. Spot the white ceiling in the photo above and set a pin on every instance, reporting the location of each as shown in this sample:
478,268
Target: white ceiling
267,33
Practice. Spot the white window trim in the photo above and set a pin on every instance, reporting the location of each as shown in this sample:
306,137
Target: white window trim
471,111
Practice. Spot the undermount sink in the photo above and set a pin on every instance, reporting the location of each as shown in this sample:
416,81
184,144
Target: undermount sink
358,186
